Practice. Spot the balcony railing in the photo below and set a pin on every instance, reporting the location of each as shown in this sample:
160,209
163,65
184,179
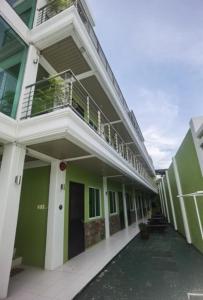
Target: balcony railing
64,90
52,9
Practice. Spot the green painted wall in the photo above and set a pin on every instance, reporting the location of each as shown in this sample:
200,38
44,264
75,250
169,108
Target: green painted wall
168,200
176,202
32,222
191,181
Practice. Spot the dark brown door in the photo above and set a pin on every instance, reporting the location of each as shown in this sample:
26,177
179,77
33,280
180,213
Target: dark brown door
76,243
121,210
128,209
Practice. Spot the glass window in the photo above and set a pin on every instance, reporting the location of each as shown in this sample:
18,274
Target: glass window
112,202
131,203
25,9
94,203
12,61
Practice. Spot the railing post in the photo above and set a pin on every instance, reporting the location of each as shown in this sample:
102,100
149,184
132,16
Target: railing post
99,122
116,141
71,92
109,133
127,154
88,109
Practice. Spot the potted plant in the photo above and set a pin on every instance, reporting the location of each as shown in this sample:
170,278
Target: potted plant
57,6
144,231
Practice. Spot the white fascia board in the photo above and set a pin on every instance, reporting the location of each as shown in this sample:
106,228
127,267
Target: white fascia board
68,23
53,30
11,17
8,127
66,124
108,86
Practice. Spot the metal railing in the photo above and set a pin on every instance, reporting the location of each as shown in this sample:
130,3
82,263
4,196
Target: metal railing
64,90
52,9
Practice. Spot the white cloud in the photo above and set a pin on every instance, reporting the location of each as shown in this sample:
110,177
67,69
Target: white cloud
159,115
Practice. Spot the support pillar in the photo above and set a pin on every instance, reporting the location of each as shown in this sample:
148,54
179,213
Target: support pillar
106,208
141,203
125,206
135,206
166,202
171,201
182,203
55,222
162,196
10,189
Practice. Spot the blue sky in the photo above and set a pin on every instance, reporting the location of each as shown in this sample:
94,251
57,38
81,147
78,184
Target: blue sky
155,49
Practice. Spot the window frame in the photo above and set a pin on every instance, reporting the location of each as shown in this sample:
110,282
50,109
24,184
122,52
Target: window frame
100,204
116,203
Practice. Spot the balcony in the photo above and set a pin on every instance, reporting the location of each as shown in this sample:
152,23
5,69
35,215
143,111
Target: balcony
55,7
64,90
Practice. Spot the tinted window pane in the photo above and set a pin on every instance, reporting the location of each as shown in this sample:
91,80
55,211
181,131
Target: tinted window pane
12,58
25,9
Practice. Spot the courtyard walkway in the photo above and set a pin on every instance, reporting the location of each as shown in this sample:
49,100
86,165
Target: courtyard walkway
164,267
65,282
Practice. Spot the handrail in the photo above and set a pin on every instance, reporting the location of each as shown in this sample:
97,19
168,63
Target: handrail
48,95
82,13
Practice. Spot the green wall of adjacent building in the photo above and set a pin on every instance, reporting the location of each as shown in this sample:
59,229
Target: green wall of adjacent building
176,201
32,221
191,181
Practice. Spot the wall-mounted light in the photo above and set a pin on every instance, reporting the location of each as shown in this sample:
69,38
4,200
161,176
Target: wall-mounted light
18,180
35,61
63,186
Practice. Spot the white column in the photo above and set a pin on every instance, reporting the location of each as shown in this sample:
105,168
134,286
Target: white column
30,76
166,202
171,201
160,198
182,203
10,188
55,222
141,203
135,206
106,208
125,206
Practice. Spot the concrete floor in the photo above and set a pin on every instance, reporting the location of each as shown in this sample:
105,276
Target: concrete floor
164,267
65,282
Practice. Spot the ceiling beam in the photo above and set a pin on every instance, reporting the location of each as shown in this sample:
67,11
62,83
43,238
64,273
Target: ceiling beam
85,75
79,158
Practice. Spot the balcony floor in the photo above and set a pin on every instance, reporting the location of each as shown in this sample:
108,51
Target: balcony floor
163,268
65,282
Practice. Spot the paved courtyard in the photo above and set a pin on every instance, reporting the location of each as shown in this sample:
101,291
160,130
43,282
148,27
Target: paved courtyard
164,267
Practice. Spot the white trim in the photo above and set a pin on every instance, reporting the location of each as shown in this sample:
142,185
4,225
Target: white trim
66,124
171,201
195,132
125,206
35,164
11,167
40,156
167,210
116,204
100,203
55,223
194,294
85,75
182,203
106,208
79,158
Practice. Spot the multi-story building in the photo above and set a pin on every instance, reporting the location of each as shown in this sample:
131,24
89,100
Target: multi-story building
74,166
181,188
